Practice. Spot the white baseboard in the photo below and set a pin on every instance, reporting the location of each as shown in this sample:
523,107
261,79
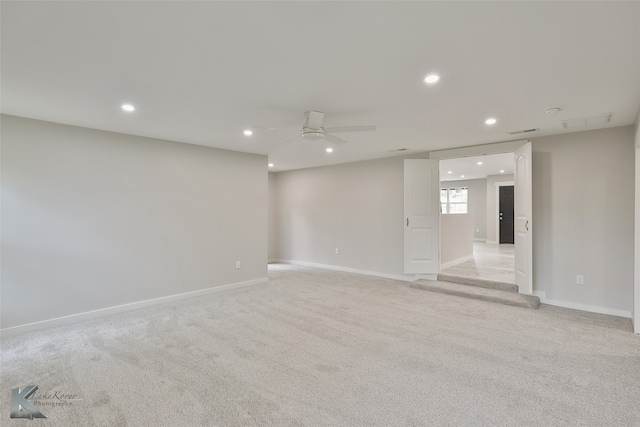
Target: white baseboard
73,318
432,277
479,239
405,278
492,242
455,261
591,308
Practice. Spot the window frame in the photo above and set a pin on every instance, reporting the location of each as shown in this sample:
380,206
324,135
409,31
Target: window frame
445,206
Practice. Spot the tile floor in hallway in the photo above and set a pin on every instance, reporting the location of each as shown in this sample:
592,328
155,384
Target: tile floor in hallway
490,262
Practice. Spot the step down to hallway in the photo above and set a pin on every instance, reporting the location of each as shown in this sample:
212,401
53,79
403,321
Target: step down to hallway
479,293
480,283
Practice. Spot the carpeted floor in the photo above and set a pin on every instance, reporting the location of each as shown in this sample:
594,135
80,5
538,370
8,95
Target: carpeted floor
317,347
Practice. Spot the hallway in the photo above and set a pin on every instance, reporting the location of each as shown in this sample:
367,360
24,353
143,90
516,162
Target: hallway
491,262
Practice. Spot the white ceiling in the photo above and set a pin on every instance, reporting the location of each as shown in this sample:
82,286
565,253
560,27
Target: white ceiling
202,72
465,168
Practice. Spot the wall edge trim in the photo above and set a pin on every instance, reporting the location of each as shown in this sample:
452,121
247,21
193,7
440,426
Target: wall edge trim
102,312
583,307
404,278
455,262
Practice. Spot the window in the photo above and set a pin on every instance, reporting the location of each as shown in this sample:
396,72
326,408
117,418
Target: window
454,200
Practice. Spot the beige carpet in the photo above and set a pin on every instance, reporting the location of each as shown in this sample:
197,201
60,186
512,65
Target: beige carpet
315,347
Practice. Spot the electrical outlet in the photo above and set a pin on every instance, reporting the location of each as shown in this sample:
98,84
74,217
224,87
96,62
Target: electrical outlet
579,279
238,264
337,251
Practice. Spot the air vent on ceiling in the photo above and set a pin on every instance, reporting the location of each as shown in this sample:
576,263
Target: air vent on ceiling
516,132
587,121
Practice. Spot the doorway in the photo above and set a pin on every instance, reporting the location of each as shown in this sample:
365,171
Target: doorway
506,211
489,208
521,152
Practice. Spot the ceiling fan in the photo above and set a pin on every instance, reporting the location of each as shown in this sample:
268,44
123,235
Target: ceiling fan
313,129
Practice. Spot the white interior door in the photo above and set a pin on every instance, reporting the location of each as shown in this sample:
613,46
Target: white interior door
421,216
523,225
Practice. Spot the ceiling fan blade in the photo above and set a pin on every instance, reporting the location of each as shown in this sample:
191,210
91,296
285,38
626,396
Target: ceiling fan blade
273,128
314,119
334,139
293,138
351,129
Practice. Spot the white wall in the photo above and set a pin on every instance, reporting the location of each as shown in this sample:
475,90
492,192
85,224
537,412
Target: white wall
456,243
356,207
492,210
583,186
583,217
476,205
94,219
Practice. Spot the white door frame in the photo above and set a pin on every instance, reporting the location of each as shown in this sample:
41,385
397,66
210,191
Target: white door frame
636,276
480,150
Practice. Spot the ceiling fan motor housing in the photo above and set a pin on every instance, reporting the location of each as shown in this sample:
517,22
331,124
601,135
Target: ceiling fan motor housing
313,129
309,133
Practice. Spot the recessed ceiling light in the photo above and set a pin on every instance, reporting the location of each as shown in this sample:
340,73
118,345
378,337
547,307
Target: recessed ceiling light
128,107
248,132
461,176
431,78
479,163
329,150
450,172
490,121
270,165
502,171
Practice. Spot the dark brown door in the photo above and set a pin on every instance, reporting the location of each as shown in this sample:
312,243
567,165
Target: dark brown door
506,214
